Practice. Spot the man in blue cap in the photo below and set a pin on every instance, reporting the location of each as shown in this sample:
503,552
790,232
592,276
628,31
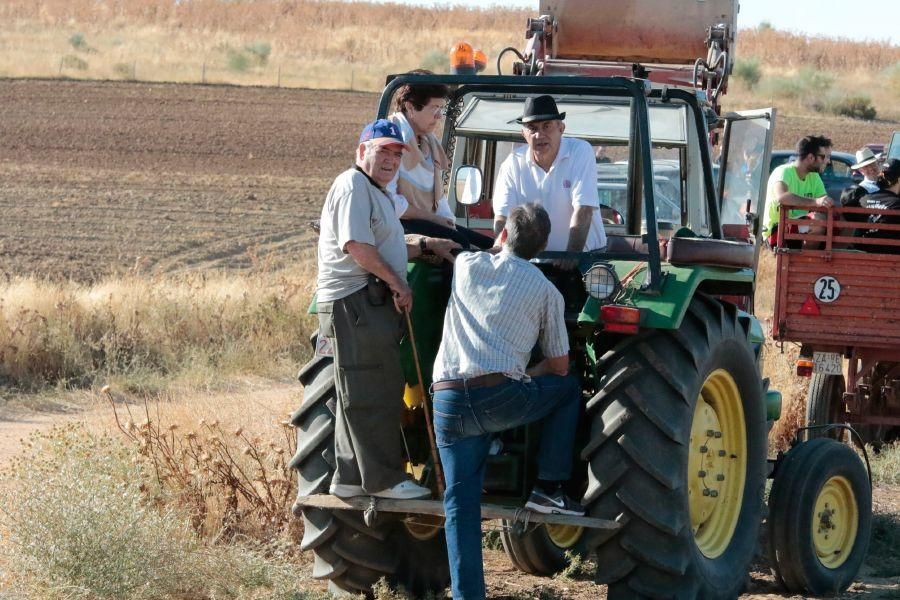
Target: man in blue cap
361,293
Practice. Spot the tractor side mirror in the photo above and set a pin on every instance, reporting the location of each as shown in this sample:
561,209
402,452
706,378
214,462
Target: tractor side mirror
468,184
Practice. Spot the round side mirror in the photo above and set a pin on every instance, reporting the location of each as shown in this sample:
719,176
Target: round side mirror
468,184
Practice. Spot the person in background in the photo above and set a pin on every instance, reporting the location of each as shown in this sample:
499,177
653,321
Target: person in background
867,163
500,307
361,292
419,185
798,184
887,197
601,155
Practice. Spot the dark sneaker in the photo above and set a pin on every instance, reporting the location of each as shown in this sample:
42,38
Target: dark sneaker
556,503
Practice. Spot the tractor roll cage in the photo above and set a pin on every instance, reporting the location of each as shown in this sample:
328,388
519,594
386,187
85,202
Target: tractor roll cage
640,167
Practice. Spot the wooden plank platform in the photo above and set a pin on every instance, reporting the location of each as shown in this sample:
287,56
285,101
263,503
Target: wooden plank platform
436,507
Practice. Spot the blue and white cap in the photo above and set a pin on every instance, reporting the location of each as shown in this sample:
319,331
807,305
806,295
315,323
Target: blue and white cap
381,133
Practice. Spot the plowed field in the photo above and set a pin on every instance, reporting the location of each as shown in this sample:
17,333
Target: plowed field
101,177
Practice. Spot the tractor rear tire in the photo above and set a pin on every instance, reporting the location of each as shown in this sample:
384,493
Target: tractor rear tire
349,554
820,518
677,456
824,404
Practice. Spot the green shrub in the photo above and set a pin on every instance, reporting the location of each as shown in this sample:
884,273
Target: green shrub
436,61
124,70
809,87
749,71
70,61
238,61
855,107
78,522
886,464
259,51
77,41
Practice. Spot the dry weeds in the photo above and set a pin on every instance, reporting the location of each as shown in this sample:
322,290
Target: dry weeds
141,332
78,520
230,480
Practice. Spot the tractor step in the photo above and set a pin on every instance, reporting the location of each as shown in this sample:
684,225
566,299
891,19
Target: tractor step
371,505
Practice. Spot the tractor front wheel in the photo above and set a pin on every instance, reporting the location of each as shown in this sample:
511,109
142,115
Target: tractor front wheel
820,518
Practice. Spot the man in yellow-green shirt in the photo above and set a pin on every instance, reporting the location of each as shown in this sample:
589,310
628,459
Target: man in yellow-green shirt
798,184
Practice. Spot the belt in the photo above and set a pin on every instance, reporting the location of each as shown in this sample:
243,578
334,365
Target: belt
473,382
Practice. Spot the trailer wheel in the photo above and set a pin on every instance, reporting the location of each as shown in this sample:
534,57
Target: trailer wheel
820,518
349,554
825,404
677,455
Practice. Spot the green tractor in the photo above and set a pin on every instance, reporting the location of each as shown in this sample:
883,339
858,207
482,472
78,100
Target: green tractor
672,446
671,450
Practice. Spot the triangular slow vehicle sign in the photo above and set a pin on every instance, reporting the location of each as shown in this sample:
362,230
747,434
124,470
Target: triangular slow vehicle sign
810,308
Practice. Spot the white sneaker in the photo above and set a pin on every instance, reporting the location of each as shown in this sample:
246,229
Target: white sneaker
405,490
345,490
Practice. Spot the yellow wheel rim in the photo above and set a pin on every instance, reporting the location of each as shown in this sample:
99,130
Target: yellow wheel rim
717,463
835,522
424,527
564,536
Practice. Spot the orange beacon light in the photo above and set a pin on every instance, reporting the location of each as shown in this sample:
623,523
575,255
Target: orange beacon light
462,59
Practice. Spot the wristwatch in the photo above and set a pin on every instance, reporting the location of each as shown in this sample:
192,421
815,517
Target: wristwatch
423,247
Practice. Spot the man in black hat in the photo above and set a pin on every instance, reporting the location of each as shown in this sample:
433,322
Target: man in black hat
559,173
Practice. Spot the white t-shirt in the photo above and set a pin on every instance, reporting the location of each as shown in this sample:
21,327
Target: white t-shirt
419,176
571,182
356,210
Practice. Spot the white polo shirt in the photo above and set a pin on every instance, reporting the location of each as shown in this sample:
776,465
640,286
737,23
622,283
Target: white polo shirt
571,182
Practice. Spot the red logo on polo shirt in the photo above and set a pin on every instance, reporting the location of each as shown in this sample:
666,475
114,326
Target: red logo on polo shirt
567,184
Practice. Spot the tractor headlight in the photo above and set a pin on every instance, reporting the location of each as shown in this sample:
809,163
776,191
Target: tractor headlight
601,282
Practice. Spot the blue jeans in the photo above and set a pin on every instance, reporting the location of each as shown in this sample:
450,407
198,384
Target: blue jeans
464,423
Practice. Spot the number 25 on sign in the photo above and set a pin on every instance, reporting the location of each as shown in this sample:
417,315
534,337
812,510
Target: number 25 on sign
827,289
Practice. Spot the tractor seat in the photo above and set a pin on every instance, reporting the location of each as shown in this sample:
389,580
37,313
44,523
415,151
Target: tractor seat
626,243
707,251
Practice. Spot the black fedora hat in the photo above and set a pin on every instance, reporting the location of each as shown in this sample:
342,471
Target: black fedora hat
540,108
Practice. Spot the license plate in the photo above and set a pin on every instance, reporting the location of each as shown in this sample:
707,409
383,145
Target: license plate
324,346
829,363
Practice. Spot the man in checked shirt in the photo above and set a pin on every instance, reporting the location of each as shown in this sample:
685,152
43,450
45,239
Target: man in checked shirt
500,307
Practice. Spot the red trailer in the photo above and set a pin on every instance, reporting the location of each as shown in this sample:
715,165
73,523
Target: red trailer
841,304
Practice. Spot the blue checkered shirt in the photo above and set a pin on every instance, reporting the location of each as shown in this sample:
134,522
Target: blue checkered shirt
500,307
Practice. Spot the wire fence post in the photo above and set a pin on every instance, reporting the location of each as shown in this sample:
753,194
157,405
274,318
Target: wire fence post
134,70
278,83
203,73
351,79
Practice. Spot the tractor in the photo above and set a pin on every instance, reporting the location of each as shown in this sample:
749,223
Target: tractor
671,451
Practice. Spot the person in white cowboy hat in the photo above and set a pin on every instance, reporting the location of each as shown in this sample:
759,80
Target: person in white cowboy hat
867,163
